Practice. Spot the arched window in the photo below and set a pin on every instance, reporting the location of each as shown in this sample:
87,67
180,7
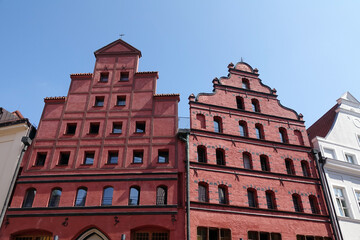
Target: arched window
203,192
297,203
264,161
220,157
245,83
247,160
255,105
107,196
134,196
81,197
298,134
305,168
314,204
252,197
259,130
201,154
201,120
243,129
289,166
29,198
55,197
223,194
283,135
161,195
240,103
217,124
270,199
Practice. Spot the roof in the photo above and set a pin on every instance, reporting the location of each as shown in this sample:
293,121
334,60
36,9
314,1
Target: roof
81,74
10,118
322,126
118,47
166,94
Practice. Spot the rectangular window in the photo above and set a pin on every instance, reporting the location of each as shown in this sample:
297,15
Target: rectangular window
40,159
209,233
140,127
253,235
341,202
94,128
117,127
113,157
104,77
350,158
124,76
99,101
138,156
71,128
89,158
357,195
64,158
121,101
329,153
163,156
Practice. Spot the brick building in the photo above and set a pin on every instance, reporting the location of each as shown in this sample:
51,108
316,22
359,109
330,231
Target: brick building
252,173
106,162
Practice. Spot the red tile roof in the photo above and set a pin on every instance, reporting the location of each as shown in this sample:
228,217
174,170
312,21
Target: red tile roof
322,126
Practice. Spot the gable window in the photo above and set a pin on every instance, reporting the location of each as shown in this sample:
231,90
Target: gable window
350,158
29,198
264,162
99,101
283,135
138,156
223,196
252,198
289,167
201,154
40,159
247,160
341,202
89,158
243,129
270,199
104,77
217,125
124,76
245,83
255,105
163,156
201,120
203,192
107,196
140,127
121,101
94,128
298,134
161,195
240,103
70,128
314,204
134,196
259,131
305,168
64,158
55,197
117,127
81,197
297,203
220,157
113,157
329,153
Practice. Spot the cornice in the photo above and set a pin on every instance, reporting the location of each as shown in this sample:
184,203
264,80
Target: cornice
342,167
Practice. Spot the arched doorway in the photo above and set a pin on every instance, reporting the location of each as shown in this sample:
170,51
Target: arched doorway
92,234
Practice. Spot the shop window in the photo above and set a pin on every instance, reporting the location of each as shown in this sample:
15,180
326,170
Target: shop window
29,198
289,166
55,197
107,196
163,156
314,204
252,197
218,125
203,192
220,157
255,105
70,128
117,127
40,159
341,202
134,196
161,195
94,128
201,120
305,168
81,197
104,77
259,131
124,76
283,135
264,162
64,158
89,158
223,194
270,199
247,160
300,139
240,103
243,129
99,101
121,101
201,154
138,156
297,203
113,157
140,127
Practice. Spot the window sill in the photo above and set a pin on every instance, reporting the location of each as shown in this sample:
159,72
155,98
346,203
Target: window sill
115,134
37,167
62,165
98,106
137,163
111,164
92,134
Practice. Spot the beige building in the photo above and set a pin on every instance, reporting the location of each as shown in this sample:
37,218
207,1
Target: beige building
16,133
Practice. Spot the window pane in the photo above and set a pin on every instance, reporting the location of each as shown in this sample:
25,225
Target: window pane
222,195
81,197
161,196
113,157
29,198
117,128
251,198
107,196
134,196
55,198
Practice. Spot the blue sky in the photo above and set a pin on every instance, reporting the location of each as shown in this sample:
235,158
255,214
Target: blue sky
308,50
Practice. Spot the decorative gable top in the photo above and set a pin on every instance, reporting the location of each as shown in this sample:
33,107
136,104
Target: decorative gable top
118,47
347,97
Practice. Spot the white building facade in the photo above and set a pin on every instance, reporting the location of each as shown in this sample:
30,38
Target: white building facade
336,135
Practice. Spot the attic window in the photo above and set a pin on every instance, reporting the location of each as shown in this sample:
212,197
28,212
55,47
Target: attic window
124,76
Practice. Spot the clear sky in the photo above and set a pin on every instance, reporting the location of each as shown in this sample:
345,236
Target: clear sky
308,50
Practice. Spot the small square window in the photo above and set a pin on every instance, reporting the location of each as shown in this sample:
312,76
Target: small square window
104,77
140,127
64,158
113,157
121,101
329,153
89,158
94,128
138,156
350,158
40,159
163,156
99,101
124,76
117,127
71,128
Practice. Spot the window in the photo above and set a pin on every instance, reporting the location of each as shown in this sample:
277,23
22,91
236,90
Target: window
211,233
138,156
303,237
314,204
107,196
341,202
220,157
217,125
223,196
81,197
283,135
289,167
40,159
305,168
201,120
94,128
89,158
163,156
201,154
252,198
161,195
298,134
29,198
245,83
70,128
357,195
99,101
259,130
55,197
134,197
202,233
203,192
329,153
140,127
270,199
117,127
254,235
124,76
121,101
64,158
243,129
349,158
297,203
240,103
255,105
113,157
247,160
104,77
264,162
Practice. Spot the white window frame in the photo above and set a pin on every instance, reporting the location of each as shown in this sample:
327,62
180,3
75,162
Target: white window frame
330,149
353,156
357,197
341,199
